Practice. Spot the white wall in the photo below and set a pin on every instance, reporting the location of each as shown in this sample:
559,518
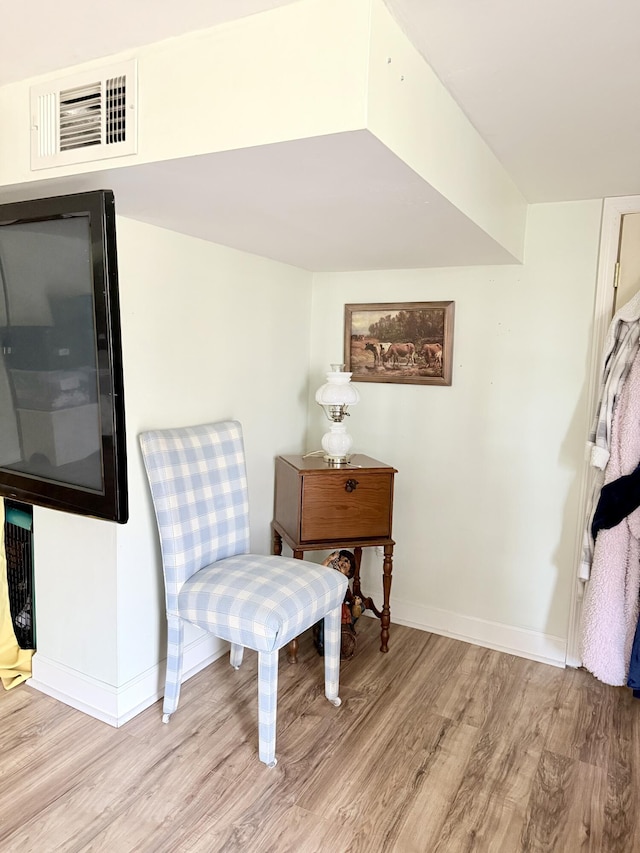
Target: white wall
75,599
488,469
208,333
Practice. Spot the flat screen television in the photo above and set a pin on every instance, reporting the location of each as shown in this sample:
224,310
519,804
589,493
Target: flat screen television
62,419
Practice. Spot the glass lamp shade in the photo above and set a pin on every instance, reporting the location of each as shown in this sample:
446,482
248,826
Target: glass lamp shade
337,390
335,397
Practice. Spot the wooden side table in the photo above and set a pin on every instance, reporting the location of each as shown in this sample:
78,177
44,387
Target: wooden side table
326,507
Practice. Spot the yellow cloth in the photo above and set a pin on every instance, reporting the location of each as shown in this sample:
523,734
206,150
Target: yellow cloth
15,663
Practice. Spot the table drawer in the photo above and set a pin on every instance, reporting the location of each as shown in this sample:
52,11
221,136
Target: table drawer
346,505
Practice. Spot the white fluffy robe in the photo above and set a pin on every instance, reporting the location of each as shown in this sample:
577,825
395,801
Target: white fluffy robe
610,612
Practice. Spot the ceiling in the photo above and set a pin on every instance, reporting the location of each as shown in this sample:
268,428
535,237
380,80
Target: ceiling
552,87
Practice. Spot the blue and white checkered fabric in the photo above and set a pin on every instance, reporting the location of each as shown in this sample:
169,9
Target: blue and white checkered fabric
199,488
267,705
260,602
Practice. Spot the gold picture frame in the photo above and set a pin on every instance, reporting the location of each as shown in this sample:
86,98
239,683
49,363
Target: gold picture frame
403,342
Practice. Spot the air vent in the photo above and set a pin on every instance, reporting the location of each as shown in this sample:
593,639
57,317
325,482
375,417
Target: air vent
91,116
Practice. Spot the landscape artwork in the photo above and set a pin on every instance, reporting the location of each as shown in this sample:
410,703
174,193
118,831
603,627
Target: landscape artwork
405,342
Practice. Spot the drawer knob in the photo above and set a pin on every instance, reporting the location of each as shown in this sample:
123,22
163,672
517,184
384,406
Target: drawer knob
350,485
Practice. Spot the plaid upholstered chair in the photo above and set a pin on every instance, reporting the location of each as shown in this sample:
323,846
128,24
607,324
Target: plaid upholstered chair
199,489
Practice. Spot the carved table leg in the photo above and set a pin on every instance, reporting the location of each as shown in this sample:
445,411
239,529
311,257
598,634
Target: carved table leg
357,553
367,602
385,618
277,543
294,644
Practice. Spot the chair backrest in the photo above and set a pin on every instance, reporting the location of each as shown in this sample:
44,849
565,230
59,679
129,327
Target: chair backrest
199,488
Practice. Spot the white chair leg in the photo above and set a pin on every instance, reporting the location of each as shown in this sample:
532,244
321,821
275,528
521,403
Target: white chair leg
267,706
332,655
235,658
175,635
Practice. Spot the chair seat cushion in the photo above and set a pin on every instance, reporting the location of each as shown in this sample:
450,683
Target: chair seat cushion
259,601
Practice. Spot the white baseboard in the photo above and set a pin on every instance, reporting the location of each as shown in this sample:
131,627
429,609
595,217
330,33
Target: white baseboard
118,705
521,642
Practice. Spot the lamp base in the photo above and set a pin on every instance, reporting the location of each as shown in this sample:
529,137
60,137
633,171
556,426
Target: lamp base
335,460
336,444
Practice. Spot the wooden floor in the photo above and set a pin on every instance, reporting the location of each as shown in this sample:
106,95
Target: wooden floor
438,747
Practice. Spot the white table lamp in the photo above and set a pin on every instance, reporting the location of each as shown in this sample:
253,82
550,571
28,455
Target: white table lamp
335,397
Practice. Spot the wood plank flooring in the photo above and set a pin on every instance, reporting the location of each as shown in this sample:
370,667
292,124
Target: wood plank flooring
438,747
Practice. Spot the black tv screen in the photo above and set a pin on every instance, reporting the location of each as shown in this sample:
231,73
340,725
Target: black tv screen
62,422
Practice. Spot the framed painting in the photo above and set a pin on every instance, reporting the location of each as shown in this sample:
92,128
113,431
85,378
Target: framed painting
405,342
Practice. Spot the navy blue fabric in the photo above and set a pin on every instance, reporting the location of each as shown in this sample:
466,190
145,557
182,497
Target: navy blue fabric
618,499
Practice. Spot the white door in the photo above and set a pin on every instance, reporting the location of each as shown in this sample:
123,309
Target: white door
628,270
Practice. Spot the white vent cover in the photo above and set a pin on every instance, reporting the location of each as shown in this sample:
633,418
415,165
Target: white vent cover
90,116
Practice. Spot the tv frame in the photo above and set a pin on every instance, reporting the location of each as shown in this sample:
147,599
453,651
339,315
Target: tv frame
110,503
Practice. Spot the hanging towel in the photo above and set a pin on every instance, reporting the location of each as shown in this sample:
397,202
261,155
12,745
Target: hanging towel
610,612
15,663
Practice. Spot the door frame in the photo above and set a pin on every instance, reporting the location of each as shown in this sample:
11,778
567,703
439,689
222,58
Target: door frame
613,210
